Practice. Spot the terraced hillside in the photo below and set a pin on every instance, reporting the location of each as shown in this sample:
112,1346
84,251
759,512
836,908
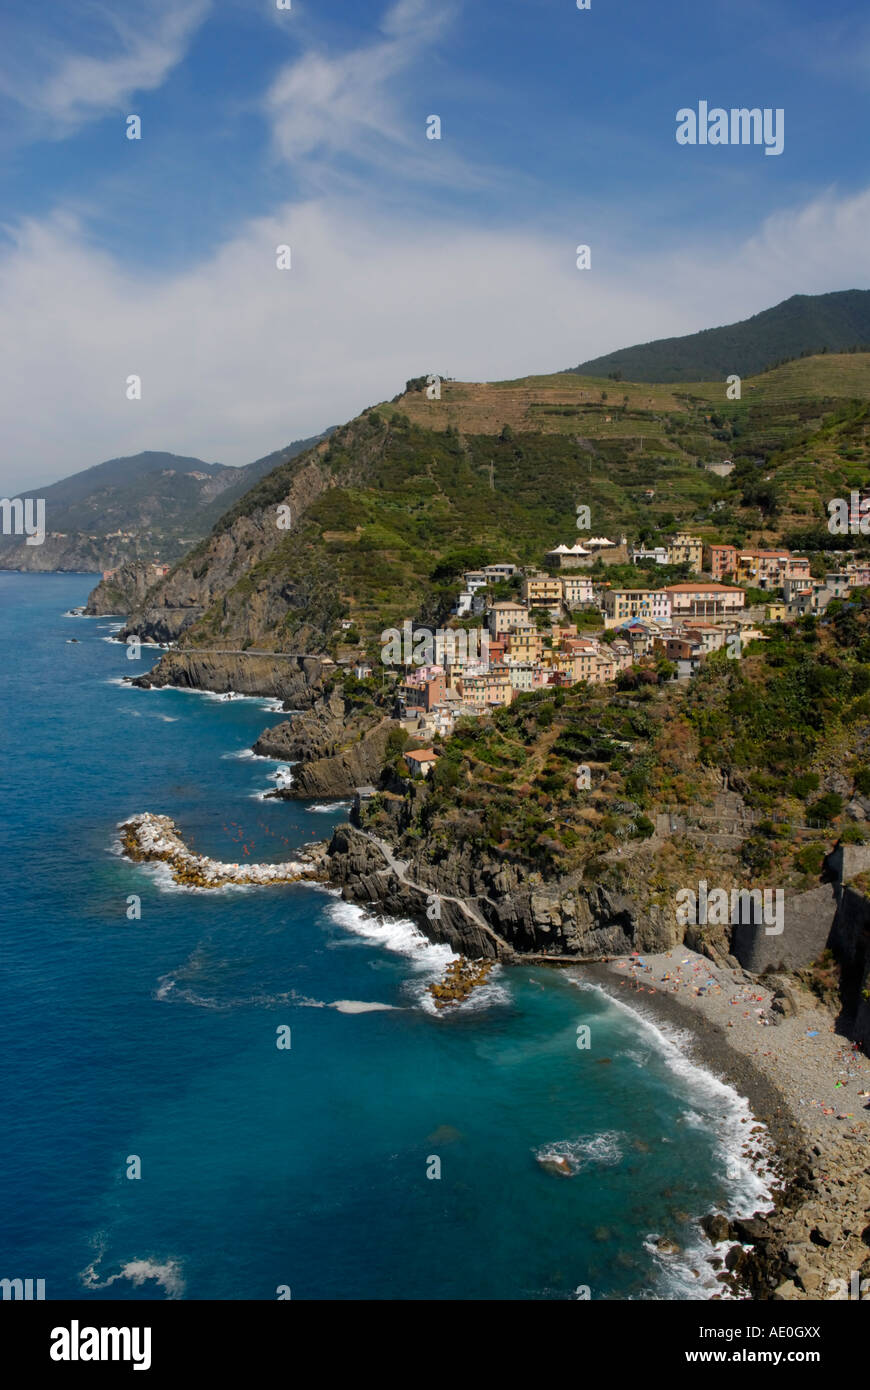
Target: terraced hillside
386,515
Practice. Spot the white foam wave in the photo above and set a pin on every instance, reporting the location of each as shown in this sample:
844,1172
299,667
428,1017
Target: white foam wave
360,1006
485,996
723,1111
167,1274
602,1150
686,1273
397,934
171,987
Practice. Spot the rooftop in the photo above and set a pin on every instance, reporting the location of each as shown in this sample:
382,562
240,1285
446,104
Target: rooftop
701,588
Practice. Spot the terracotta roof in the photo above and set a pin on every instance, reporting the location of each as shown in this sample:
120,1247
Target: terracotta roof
701,588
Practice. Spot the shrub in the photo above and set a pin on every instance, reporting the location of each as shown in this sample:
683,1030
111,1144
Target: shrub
756,854
810,859
396,740
827,808
804,784
862,780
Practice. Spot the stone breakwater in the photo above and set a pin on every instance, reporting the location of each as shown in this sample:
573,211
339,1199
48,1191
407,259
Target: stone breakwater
148,838
459,980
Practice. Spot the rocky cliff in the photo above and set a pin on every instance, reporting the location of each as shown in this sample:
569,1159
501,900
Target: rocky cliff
123,592
295,680
337,747
225,592
513,911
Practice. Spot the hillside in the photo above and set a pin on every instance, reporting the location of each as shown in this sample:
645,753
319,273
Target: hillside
788,727
148,506
804,324
389,512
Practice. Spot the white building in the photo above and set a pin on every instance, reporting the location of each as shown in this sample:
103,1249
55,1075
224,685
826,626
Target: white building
578,589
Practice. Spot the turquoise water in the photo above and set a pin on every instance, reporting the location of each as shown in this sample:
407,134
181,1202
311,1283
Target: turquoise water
305,1167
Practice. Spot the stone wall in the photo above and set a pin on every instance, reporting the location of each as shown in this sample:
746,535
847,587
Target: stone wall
850,942
808,919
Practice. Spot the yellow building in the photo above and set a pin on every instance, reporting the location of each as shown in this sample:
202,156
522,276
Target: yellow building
620,605
686,550
524,644
544,591
607,667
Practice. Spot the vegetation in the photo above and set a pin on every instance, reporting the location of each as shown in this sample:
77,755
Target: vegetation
835,323
573,778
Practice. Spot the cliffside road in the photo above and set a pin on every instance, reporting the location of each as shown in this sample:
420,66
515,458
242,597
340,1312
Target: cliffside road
250,651
506,952
289,676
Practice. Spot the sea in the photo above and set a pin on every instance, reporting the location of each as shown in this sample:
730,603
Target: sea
158,1143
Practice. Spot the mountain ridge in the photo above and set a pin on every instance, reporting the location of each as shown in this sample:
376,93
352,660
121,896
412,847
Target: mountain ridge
135,508
801,325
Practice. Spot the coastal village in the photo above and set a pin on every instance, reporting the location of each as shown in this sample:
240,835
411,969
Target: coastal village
561,625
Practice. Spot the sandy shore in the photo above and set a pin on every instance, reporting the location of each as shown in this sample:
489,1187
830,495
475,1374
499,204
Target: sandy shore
804,1081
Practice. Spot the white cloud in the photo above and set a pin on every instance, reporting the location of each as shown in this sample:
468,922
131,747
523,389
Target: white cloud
60,81
324,105
237,357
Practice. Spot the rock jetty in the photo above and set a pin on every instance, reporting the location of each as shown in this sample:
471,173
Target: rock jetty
148,838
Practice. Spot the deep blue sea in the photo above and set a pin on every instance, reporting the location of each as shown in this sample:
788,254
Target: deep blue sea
304,1167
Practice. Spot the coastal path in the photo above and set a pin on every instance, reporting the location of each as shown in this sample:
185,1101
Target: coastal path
400,868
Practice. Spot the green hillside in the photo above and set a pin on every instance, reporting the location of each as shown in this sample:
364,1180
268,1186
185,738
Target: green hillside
401,500
788,723
804,324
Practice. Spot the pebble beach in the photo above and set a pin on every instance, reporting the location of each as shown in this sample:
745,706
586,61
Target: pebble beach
806,1082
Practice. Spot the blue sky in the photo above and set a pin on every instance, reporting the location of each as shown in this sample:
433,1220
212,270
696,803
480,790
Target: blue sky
307,126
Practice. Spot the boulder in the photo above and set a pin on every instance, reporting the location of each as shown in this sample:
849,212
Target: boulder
751,1230
716,1227
787,1292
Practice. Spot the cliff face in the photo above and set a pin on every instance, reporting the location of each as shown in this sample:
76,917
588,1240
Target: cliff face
76,554
123,592
851,944
295,680
512,911
337,748
224,593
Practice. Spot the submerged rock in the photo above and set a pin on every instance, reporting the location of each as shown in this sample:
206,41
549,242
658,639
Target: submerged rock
458,981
